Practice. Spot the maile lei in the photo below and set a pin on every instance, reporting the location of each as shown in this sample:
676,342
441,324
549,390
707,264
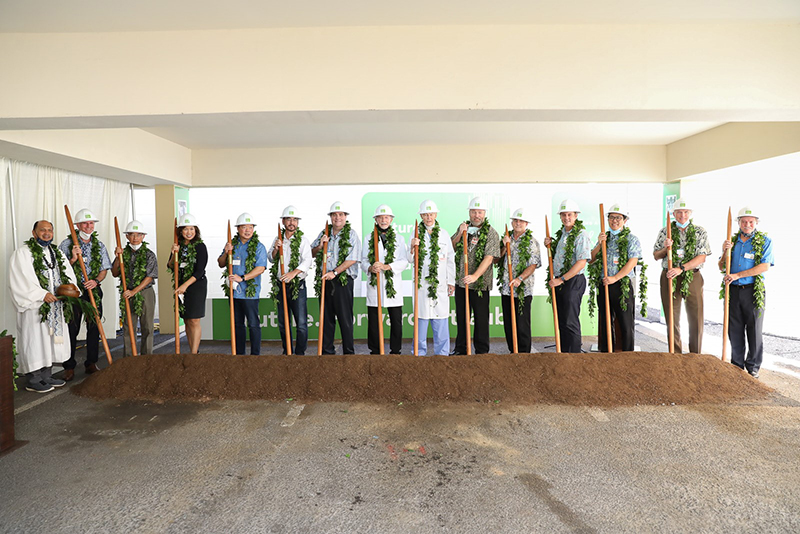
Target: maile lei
294,261
188,256
95,263
523,257
133,279
480,252
433,269
569,250
688,252
39,266
596,275
759,290
344,251
391,246
249,265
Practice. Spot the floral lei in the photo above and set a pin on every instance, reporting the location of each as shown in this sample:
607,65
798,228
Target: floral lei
294,261
391,246
569,250
187,252
38,265
133,279
689,250
433,268
480,252
759,290
95,263
523,257
596,274
344,250
249,265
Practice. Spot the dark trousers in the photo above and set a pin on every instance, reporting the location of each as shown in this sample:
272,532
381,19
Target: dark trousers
625,318
745,319
92,333
396,337
694,311
479,309
338,307
247,308
523,323
568,300
298,308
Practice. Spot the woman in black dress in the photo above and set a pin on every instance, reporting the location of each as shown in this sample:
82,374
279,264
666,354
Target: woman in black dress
193,285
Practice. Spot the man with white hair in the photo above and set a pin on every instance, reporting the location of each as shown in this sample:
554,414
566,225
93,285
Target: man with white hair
751,257
689,251
297,261
97,263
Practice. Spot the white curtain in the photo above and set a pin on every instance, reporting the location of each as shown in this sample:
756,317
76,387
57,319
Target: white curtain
41,193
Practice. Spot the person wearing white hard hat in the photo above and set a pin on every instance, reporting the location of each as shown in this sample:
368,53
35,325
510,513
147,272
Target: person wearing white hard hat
95,256
141,272
35,272
751,257
623,254
297,261
391,260
340,271
689,251
192,281
437,278
525,259
483,245
249,262
573,251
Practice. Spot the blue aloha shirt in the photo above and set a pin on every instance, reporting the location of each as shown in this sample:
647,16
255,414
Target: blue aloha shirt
583,251
612,252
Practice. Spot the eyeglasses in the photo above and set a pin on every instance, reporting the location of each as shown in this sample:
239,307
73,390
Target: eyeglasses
616,218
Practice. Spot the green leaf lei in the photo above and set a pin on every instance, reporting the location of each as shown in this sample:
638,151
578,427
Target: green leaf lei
523,257
187,252
39,267
95,263
688,252
133,279
294,261
249,265
433,268
595,271
344,250
568,252
391,246
480,252
759,289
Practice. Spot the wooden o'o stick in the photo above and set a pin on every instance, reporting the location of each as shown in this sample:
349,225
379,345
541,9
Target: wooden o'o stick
131,331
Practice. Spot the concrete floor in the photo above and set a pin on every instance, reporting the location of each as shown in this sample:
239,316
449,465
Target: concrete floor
333,467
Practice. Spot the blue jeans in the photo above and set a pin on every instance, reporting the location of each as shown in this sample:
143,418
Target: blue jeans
247,308
441,336
298,308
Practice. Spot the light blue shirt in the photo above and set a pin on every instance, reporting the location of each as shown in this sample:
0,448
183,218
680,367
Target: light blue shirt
240,254
333,251
86,250
612,252
743,258
583,251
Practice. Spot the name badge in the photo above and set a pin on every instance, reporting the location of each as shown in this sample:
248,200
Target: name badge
474,240
183,264
615,260
442,257
236,262
680,253
749,256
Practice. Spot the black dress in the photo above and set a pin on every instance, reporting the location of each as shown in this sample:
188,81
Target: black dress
194,300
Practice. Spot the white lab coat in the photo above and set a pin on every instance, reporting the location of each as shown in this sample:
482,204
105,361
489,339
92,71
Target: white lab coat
37,344
398,265
438,308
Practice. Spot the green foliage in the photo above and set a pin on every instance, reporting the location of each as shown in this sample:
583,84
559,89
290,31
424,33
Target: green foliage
391,248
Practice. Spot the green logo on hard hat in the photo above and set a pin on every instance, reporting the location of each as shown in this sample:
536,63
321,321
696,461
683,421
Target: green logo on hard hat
247,219
563,206
383,211
427,208
748,211
291,213
338,207
683,204
519,214
135,227
477,204
186,220
87,216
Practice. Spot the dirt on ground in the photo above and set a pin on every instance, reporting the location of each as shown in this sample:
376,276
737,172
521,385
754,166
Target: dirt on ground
619,379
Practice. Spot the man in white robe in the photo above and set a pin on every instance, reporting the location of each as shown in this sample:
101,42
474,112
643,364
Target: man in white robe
40,342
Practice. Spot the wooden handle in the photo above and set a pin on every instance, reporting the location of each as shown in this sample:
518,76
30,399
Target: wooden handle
324,268
552,289
230,292
286,323
416,289
466,295
511,296
670,319
726,318
378,285
177,271
131,331
609,344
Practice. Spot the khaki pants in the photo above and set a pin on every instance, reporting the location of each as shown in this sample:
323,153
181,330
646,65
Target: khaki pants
144,321
694,310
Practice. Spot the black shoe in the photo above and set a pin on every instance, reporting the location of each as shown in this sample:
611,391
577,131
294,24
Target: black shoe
754,374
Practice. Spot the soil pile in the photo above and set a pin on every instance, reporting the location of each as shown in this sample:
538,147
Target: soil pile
619,379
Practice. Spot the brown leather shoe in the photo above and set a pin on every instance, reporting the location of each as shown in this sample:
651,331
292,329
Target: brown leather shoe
91,368
69,374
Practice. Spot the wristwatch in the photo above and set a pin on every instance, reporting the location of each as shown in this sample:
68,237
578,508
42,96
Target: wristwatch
683,269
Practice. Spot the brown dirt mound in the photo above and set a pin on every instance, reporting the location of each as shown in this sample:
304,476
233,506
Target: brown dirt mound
620,379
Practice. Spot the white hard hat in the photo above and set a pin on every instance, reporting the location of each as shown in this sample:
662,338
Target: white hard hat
245,218
519,213
477,203
290,211
338,206
85,215
383,209
681,204
617,208
429,206
747,211
568,205
187,220
135,226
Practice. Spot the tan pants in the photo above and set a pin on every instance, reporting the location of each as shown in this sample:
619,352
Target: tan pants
144,321
694,310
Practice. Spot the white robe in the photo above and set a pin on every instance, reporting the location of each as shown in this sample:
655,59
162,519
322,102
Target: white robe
398,265
438,308
37,346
